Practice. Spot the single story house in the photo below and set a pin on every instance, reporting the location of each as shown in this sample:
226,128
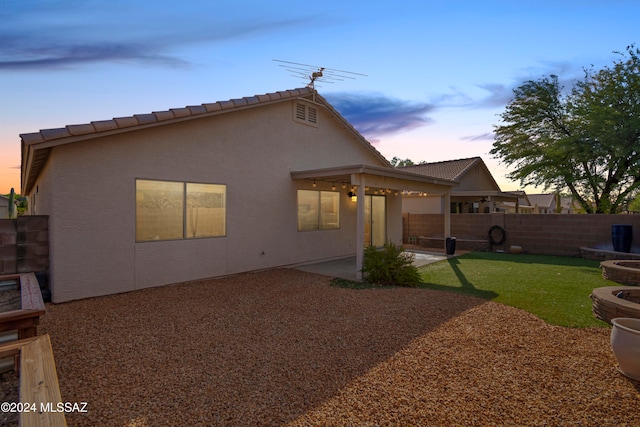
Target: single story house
477,192
209,190
544,203
552,203
4,207
521,205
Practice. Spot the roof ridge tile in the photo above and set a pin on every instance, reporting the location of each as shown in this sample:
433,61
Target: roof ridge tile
180,112
104,125
125,122
197,109
143,119
54,133
225,105
239,102
81,129
164,115
212,106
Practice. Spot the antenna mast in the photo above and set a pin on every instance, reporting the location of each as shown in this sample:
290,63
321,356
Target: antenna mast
313,73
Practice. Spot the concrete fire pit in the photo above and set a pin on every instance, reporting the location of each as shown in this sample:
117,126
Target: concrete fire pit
616,301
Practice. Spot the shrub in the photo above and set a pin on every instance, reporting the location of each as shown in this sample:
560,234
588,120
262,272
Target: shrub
390,265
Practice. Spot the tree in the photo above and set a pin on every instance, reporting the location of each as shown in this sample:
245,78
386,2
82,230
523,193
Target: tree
12,204
396,162
586,141
634,205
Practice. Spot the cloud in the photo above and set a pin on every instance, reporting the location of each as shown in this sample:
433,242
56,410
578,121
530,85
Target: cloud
499,95
488,136
67,37
52,56
374,115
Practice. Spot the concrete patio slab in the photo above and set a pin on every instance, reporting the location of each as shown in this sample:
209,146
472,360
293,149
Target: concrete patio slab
345,268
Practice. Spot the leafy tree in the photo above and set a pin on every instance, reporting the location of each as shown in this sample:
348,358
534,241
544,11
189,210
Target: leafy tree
586,141
634,205
397,162
21,204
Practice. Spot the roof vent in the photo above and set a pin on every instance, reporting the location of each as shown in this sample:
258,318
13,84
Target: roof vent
306,113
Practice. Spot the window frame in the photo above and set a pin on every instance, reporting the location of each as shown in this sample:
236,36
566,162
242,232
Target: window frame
321,223
185,223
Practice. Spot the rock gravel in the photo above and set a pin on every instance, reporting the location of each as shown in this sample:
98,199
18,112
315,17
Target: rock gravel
284,348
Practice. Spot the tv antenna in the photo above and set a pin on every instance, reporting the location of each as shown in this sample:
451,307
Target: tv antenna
313,73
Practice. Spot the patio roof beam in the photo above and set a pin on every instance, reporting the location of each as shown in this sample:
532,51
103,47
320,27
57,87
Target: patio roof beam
379,176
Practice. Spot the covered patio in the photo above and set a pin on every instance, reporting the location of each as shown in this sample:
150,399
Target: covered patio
344,268
378,180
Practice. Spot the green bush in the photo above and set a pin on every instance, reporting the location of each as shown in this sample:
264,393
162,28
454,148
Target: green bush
390,266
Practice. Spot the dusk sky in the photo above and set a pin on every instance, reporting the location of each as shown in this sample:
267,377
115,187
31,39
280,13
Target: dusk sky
438,73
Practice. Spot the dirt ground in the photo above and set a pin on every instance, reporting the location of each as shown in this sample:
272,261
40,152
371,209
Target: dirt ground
283,347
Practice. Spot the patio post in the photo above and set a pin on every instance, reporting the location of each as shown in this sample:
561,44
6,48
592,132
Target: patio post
447,213
360,227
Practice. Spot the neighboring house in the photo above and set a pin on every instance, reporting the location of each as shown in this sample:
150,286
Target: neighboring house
540,204
210,190
4,207
544,203
521,205
569,205
477,191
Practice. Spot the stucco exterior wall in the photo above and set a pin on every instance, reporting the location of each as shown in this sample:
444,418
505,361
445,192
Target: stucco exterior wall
88,189
423,205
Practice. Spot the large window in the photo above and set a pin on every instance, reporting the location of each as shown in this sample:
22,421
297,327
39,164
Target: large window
318,210
168,210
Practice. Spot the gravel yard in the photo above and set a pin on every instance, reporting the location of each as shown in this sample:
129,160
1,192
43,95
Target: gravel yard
282,347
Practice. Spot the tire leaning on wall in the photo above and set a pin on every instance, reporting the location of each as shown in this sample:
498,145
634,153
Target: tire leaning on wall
497,235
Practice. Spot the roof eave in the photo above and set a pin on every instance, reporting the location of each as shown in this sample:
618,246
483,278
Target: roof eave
359,169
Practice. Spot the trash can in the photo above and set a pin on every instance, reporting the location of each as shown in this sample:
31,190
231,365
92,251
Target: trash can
622,236
450,245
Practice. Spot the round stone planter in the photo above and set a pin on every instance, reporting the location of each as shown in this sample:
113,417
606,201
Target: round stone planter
625,343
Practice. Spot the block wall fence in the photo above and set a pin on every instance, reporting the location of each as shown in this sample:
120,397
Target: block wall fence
545,234
24,244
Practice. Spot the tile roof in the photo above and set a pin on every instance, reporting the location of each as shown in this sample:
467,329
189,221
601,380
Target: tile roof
137,120
543,200
36,146
450,169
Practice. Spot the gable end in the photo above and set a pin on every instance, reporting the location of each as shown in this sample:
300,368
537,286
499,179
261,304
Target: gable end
305,113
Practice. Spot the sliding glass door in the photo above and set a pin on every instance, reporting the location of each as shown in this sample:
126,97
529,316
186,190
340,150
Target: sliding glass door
375,220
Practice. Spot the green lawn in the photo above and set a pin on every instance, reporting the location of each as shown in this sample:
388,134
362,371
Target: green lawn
554,288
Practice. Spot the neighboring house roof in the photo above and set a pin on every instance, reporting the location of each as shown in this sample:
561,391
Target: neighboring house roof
37,146
450,169
543,200
460,170
523,198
